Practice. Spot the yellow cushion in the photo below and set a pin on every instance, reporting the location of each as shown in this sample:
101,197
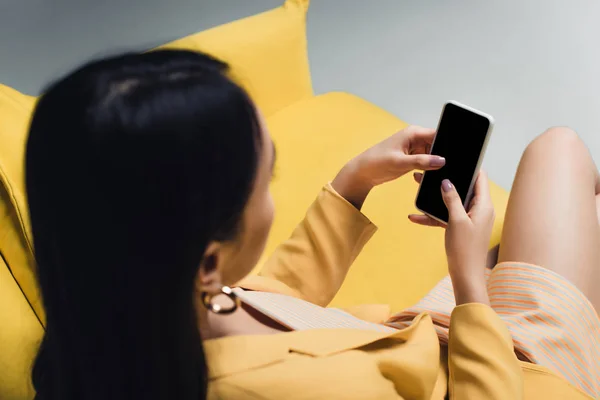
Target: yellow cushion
267,53
15,246
20,333
315,136
314,139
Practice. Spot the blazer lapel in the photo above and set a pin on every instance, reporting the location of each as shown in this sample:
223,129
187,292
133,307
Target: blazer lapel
324,342
235,354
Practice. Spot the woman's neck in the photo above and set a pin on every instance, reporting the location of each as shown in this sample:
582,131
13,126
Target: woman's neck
244,321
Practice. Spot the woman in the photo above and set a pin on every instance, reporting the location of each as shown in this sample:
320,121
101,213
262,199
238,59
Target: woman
148,183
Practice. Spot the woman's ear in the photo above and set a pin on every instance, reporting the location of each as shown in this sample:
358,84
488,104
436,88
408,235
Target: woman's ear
209,274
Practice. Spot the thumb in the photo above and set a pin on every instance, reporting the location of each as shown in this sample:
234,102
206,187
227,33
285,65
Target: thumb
424,162
456,211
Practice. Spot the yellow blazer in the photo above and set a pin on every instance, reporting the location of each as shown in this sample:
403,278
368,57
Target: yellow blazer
479,362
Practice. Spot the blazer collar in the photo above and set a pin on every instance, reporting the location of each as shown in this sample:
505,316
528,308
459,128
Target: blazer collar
234,354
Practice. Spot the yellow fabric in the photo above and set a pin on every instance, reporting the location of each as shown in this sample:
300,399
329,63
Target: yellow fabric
315,136
285,269
314,139
15,246
267,53
479,362
20,332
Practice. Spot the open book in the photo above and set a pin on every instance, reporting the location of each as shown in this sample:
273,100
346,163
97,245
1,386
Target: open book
298,314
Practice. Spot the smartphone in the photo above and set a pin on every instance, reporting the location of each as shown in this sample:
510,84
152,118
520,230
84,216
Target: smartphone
462,137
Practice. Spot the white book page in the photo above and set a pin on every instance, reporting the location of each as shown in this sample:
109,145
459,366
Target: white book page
299,315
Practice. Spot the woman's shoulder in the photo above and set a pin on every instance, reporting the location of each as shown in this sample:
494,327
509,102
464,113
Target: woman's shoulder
326,361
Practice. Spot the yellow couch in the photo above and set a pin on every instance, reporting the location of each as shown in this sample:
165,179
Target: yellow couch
315,135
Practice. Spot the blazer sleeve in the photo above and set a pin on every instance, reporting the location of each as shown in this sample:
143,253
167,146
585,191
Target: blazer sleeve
314,261
481,359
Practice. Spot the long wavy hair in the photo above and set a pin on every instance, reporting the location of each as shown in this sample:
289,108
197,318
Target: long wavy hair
134,164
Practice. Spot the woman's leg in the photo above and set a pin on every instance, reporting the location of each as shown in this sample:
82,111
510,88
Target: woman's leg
552,218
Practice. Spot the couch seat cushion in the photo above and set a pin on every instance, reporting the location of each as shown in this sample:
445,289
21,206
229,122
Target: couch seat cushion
314,139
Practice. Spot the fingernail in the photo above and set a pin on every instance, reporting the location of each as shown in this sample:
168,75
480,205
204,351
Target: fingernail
446,185
437,161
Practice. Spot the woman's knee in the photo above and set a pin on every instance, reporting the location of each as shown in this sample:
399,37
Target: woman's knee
560,149
558,142
557,137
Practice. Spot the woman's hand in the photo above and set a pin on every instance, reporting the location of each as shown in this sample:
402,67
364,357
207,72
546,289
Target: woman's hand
467,239
390,159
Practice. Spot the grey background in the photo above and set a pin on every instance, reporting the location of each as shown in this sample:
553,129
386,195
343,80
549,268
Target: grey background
531,64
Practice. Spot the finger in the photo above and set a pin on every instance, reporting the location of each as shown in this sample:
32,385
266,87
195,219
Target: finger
482,205
418,177
482,187
472,203
425,220
481,193
418,133
425,162
456,211
419,130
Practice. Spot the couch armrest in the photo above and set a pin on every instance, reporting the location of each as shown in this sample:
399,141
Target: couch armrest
20,336
500,200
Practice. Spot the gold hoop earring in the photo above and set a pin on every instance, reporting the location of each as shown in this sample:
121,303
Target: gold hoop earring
217,308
